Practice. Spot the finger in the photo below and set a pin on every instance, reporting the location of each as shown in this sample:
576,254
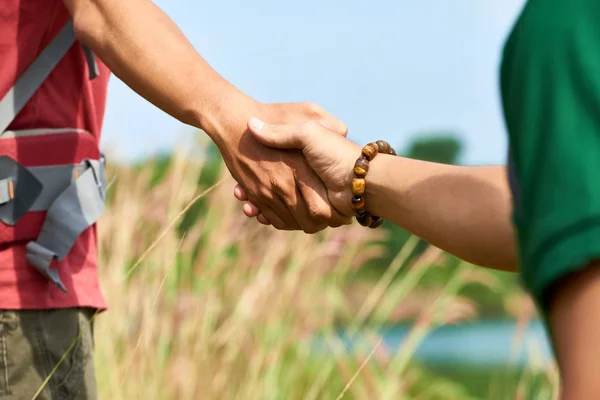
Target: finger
307,221
250,210
327,119
261,218
334,124
278,215
239,193
315,196
283,136
286,207
292,205
274,219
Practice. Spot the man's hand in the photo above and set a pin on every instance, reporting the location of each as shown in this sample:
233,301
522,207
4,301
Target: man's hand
328,154
280,182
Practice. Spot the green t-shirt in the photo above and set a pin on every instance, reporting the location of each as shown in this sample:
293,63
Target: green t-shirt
550,83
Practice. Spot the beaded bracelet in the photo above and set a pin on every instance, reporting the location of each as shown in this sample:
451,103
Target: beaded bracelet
361,167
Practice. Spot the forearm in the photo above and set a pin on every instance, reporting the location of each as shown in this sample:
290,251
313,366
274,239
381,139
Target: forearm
146,50
465,211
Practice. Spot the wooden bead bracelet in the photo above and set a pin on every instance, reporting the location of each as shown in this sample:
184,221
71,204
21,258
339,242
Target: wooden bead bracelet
361,168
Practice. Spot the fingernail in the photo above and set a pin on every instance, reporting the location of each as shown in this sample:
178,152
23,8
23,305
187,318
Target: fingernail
256,124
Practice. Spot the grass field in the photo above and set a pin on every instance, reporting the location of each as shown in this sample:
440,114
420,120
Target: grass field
210,305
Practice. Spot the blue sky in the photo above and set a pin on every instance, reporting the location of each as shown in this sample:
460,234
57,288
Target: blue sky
389,69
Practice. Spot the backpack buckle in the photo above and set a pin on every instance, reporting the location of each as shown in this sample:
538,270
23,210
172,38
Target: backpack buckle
19,189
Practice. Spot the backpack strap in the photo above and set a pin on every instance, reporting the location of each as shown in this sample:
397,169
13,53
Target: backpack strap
33,77
91,62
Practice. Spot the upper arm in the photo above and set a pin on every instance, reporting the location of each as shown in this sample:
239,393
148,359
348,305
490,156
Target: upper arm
88,21
575,323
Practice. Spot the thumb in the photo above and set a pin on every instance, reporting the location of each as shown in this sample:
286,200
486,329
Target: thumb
280,136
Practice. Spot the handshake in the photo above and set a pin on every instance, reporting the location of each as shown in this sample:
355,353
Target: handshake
293,164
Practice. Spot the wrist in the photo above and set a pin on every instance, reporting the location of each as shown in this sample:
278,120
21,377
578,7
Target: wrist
376,184
225,119
392,185
369,179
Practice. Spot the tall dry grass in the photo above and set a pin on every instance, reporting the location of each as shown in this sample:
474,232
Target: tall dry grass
233,310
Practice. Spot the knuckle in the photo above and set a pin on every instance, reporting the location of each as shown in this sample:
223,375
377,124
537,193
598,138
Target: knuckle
275,185
264,193
343,129
288,198
313,109
317,212
282,187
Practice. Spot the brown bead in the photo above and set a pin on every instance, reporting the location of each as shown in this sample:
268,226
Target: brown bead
376,222
364,219
358,186
392,152
370,151
361,167
358,203
384,147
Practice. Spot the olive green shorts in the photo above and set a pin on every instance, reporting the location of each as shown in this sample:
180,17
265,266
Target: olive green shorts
550,83
32,344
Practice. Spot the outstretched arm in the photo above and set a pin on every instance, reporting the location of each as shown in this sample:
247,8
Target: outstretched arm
146,50
465,211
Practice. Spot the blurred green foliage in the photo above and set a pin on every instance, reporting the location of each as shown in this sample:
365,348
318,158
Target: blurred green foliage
441,147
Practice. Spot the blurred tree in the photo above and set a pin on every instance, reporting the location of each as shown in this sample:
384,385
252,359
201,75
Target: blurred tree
443,148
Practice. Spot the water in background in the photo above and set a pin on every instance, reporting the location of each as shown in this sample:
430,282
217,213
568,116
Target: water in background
487,343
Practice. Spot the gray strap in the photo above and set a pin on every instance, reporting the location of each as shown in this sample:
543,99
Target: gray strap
5,196
75,210
25,87
91,62
55,180
41,258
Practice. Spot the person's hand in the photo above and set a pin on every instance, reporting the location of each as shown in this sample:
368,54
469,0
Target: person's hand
280,182
329,155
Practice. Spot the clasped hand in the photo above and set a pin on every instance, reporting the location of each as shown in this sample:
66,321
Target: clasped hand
275,179
329,155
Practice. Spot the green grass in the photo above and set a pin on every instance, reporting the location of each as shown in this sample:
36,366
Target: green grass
223,308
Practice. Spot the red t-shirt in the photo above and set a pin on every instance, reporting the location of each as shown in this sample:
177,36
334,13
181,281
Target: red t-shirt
67,99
